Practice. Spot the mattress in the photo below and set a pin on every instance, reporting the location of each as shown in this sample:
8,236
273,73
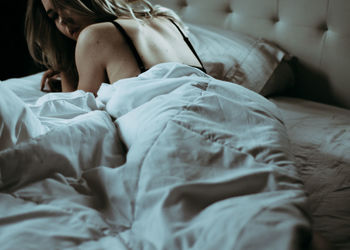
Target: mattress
320,141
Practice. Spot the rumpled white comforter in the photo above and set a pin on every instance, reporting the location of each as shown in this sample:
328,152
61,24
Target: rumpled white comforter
171,159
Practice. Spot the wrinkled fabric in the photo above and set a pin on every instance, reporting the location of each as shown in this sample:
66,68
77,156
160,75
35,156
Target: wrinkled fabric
171,159
321,144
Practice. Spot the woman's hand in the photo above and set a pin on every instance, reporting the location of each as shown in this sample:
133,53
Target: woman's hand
51,81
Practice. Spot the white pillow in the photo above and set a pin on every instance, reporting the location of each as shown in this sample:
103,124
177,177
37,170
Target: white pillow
252,62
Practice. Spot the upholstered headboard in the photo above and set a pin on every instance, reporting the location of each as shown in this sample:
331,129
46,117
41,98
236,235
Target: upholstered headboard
317,32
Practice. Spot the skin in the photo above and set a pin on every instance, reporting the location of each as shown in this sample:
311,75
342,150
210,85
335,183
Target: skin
102,55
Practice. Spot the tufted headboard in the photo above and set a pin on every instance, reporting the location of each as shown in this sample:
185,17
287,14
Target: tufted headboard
317,32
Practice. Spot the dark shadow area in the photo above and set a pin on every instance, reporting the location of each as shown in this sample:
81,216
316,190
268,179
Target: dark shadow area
16,61
312,85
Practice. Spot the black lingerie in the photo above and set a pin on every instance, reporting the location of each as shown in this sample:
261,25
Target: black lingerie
137,56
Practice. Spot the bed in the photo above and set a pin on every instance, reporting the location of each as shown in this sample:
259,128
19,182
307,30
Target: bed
252,155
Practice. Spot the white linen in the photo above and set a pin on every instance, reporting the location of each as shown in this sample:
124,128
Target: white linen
189,162
320,142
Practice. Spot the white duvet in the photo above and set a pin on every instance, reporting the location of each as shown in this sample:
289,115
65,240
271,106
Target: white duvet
171,159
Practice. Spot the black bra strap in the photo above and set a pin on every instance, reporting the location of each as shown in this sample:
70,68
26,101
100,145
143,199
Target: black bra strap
137,55
189,44
131,45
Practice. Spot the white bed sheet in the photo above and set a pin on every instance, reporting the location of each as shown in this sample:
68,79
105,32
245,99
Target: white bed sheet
320,139
172,159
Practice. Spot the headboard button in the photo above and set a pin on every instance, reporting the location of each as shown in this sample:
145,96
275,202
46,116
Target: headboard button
323,27
228,9
183,4
275,19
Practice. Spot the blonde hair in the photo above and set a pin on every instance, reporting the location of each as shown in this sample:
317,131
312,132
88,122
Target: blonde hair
53,50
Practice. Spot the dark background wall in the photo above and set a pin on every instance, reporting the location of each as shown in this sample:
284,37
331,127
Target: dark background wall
15,58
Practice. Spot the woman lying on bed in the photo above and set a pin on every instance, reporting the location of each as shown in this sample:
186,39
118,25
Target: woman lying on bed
111,40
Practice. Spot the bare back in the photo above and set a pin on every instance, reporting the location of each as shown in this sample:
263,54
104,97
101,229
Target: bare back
156,41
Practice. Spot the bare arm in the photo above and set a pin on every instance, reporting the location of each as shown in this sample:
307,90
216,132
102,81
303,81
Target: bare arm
46,79
102,55
91,59
54,81
68,84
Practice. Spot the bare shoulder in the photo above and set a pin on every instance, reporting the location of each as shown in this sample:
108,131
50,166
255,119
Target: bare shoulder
95,49
101,51
98,43
99,34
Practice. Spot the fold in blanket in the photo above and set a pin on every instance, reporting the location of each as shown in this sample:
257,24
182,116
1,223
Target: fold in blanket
190,162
